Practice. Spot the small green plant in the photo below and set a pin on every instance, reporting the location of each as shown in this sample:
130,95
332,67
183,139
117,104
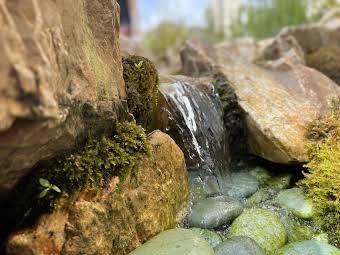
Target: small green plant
139,64
47,186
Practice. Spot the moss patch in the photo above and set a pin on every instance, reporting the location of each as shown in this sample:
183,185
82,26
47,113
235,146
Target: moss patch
88,169
141,79
326,60
322,182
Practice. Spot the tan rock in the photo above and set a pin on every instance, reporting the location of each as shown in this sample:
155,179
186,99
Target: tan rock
278,101
55,56
117,221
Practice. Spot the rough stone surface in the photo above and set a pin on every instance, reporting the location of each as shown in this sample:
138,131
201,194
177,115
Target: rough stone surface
114,222
278,101
175,241
309,247
263,226
295,201
240,245
214,212
55,56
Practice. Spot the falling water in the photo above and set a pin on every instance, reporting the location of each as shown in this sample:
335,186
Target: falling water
195,121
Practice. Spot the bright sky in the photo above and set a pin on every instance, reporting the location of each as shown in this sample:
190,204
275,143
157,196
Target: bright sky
190,12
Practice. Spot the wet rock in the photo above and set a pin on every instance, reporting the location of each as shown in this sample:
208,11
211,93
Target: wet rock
214,212
273,98
114,222
280,181
48,76
260,196
261,174
263,226
240,185
192,114
211,237
309,247
295,201
240,245
297,231
175,241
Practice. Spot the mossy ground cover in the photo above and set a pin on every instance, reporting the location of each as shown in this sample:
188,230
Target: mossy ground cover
322,181
90,168
141,79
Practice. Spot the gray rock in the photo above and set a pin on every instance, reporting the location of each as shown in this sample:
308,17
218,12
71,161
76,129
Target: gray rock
214,212
295,201
310,247
240,245
175,241
240,185
211,237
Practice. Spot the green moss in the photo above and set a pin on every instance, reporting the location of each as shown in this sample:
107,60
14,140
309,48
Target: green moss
141,79
322,182
326,60
90,168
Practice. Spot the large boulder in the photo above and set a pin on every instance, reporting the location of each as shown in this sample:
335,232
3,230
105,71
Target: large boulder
278,101
121,217
56,56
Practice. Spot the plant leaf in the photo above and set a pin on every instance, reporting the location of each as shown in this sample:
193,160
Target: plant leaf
56,188
43,193
45,183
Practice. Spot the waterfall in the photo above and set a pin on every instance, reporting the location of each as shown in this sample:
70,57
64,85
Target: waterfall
194,117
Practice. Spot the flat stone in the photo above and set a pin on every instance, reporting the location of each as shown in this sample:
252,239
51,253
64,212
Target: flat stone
214,212
240,245
309,247
263,226
175,241
295,201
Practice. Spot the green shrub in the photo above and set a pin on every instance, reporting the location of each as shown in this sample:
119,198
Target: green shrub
89,169
165,36
322,182
141,79
326,60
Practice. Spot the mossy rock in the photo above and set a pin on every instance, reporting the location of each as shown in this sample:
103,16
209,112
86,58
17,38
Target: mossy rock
263,226
141,79
279,182
89,168
296,202
261,174
326,60
309,247
297,231
175,241
211,237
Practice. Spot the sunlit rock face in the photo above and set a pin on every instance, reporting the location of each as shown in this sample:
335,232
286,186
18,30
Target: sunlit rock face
193,116
55,56
278,100
121,217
